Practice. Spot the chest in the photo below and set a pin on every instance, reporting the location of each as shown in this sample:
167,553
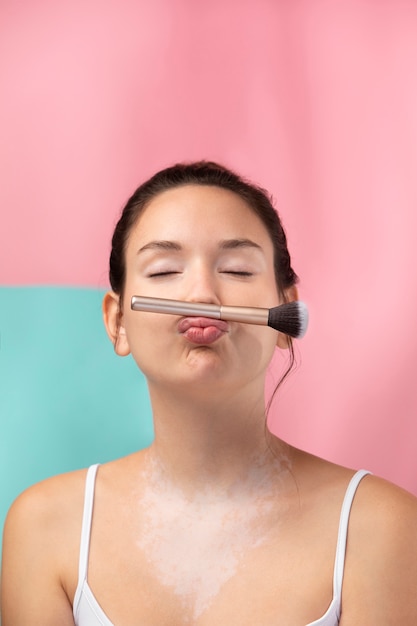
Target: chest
228,571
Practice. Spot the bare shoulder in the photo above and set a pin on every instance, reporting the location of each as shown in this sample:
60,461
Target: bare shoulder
388,499
379,507
47,505
381,563
387,514
380,576
40,548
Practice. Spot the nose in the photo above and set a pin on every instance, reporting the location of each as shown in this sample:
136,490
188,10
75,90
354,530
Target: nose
202,285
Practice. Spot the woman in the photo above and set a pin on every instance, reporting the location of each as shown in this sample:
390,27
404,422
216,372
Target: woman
218,521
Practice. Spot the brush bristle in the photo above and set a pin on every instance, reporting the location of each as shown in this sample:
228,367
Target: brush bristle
290,318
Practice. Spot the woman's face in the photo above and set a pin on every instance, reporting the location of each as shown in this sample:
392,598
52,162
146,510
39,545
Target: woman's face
199,244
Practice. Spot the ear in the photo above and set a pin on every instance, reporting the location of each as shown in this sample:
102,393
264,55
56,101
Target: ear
113,321
283,341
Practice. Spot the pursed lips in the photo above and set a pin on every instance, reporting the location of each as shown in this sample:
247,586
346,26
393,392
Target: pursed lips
202,330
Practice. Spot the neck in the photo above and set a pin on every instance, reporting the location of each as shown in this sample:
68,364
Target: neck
215,442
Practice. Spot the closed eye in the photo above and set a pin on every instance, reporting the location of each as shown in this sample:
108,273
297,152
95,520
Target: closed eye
158,274
237,273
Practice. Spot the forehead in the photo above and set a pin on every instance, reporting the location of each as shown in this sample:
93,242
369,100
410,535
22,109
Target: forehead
197,208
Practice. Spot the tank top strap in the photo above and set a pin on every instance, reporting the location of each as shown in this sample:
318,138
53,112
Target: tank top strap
339,565
85,531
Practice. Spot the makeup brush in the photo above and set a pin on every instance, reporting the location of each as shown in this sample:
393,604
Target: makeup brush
290,318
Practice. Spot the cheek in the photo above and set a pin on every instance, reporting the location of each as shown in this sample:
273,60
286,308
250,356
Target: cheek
142,328
149,336
256,344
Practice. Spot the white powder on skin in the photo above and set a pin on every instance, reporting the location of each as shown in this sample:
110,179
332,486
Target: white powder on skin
195,546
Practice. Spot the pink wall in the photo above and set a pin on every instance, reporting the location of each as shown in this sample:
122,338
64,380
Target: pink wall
316,100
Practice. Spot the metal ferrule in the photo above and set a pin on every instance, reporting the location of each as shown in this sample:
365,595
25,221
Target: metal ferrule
246,314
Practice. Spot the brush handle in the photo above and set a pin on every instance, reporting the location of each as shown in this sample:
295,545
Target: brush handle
248,315
175,307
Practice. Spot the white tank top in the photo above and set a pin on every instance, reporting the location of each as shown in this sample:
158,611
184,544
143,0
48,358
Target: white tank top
87,611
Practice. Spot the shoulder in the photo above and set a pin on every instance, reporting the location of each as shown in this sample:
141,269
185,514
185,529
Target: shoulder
379,508
55,505
387,514
374,497
45,520
384,510
380,573
40,550
381,559
47,503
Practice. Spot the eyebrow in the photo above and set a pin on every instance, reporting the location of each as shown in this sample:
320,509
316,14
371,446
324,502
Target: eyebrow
161,245
232,244
226,244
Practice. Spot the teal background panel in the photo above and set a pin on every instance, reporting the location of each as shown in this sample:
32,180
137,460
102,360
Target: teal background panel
66,399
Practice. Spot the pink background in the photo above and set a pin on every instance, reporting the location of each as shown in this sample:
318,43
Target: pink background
315,100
